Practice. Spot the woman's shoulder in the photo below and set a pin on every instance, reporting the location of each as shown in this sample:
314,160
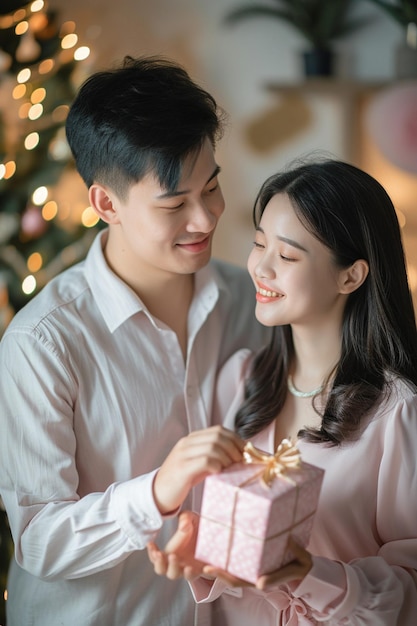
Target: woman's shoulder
237,366
398,407
230,386
399,389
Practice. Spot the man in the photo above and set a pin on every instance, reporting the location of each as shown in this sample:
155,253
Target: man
107,376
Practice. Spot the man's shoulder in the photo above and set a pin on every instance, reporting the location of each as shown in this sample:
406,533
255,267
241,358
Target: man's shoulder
60,292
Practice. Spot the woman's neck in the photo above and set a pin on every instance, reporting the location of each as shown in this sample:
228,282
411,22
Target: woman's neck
316,354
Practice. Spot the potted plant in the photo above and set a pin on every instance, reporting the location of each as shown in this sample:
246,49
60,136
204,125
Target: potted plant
404,12
320,22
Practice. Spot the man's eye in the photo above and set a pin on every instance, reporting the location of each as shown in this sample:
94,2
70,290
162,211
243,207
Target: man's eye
172,208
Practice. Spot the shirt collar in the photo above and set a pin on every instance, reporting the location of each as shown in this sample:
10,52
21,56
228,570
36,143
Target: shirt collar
115,299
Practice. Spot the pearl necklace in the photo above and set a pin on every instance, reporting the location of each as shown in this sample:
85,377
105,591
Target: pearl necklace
302,394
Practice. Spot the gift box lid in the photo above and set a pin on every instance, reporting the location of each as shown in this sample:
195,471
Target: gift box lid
238,496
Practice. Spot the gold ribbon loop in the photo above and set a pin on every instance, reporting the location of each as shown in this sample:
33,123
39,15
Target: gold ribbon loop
286,457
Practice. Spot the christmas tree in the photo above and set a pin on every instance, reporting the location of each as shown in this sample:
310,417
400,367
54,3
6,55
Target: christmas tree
40,234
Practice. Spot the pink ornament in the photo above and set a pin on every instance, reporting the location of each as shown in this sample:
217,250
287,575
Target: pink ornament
33,225
391,119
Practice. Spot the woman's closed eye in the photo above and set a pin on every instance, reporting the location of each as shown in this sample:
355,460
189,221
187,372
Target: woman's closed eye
214,188
261,246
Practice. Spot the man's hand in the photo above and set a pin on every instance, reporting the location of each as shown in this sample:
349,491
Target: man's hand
177,559
194,457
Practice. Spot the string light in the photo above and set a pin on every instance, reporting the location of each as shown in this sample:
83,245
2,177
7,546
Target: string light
69,41
89,217
82,53
35,262
37,6
21,27
7,170
67,28
24,110
19,92
35,111
59,114
38,95
24,75
46,66
20,14
49,210
31,141
29,284
40,195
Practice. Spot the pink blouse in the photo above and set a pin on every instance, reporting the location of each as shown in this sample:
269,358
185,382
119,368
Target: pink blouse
364,539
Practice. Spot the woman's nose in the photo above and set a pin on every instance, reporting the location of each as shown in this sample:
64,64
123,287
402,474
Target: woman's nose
264,268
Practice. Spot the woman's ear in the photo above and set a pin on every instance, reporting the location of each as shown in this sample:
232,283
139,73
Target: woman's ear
102,201
354,276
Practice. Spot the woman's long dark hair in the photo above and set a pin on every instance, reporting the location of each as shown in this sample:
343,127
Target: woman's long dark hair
350,213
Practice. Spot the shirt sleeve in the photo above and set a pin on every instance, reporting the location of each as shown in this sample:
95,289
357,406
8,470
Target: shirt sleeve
379,589
230,388
58,533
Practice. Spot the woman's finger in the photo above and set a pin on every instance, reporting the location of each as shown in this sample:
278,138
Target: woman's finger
229,579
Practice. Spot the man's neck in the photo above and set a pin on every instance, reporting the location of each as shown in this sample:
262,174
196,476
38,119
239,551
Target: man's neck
166,295
171,305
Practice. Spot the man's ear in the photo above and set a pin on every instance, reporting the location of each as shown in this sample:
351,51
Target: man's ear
354,276
103,202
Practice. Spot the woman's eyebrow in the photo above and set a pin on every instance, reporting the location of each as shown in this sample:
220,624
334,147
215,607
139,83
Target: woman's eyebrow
290,242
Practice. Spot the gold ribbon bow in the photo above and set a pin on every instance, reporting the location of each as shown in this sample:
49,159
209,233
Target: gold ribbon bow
287,456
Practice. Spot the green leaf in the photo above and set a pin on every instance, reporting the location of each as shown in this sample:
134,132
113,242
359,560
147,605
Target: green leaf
318,21
403,12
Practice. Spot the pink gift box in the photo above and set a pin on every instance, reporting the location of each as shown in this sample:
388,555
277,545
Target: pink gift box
245,525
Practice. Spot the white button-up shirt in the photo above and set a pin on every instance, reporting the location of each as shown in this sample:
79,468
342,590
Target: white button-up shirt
94,394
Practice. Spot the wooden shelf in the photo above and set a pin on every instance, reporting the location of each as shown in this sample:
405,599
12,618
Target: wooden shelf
350,94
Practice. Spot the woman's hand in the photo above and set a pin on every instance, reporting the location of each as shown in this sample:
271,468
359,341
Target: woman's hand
194,457
296,570
177,559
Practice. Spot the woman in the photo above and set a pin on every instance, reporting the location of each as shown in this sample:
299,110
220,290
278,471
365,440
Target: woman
340,376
